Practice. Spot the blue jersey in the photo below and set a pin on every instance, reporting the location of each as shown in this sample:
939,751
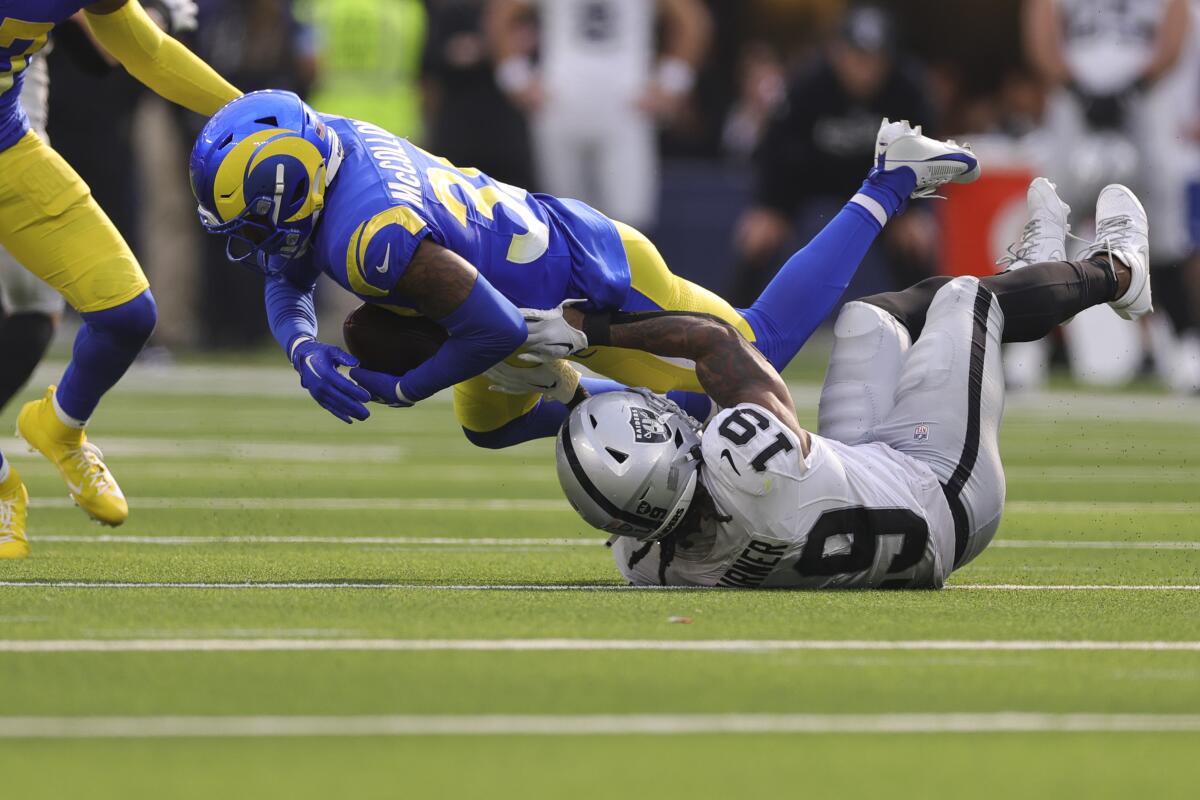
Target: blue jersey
389,194
24,27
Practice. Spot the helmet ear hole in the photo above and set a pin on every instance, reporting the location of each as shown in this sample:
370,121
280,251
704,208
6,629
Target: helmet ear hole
617,455
272,121
593,419
678,438
225,142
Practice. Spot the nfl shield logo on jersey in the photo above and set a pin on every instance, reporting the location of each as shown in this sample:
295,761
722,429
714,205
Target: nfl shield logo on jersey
647,429
920,433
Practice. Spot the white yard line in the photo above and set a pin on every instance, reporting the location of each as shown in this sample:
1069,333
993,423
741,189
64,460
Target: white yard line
390,541
537,587
328,503
538,504
192,449
1071,544
287,645
467,541
584,725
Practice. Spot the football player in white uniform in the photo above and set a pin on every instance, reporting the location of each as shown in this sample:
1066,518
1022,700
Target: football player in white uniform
904,482
599,91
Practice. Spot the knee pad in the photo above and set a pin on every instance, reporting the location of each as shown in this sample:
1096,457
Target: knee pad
863,330
962,287
868,351
131,322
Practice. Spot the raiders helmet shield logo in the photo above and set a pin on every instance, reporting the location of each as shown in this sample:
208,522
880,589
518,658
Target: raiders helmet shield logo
647,429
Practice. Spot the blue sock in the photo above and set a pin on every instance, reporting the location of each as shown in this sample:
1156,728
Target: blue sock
3,467
107,344
806,289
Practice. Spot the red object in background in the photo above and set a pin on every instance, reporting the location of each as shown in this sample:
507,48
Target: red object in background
980,219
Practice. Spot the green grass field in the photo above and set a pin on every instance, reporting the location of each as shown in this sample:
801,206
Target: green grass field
298,608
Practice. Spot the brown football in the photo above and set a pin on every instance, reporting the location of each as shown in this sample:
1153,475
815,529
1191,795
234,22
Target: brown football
388,342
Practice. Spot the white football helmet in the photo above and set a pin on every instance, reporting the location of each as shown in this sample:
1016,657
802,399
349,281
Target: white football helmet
629,462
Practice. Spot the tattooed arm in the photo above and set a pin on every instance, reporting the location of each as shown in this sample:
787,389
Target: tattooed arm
730,369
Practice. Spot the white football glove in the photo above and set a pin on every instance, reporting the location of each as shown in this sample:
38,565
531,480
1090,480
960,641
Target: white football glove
557,380
550,336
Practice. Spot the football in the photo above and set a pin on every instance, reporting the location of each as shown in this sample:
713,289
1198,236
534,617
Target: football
387,342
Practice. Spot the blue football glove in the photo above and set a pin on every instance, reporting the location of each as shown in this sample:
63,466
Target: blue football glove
384,388
317,364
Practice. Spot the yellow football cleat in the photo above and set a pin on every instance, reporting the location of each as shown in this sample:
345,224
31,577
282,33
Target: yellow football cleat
80,462
14,503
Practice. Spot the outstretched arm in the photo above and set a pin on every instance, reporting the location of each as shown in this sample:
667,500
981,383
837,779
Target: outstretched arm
484,326
729,368
155,59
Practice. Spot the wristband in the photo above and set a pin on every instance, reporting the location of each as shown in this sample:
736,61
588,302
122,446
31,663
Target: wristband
675,76
514,74
598,329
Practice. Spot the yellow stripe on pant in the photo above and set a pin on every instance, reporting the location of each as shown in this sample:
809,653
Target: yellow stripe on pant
480,410
50,223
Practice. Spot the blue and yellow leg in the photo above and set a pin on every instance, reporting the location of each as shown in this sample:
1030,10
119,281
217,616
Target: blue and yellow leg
50,223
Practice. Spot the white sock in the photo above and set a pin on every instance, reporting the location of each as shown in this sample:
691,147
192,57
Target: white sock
64,417
873,207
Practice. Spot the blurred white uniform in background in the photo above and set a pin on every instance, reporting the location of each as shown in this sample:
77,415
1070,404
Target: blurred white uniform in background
591,141
1110,124
21,292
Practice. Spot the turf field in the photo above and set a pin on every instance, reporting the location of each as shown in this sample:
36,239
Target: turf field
298,608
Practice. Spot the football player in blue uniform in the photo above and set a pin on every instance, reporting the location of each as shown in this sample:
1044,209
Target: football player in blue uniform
300,194
50,224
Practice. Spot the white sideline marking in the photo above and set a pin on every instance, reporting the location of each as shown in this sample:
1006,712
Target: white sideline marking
275,645
466,541
584,725
537,504
547,587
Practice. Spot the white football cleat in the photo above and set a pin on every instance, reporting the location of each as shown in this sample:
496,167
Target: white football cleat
933,162
1122,230
1044,237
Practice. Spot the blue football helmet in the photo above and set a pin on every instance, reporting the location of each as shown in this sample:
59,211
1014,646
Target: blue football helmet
259,171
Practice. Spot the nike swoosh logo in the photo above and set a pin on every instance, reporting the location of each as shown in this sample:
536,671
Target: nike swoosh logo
725,455
74,489
387,258
308,362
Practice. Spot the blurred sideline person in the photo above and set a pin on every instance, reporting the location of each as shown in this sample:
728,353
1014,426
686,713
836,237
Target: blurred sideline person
299,195
31,308
51,225
596,95
369,57
904,482
1126,81
461,97
813,149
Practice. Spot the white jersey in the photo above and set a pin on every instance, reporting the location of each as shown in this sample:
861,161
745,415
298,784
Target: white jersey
846,516
1108,43
596,48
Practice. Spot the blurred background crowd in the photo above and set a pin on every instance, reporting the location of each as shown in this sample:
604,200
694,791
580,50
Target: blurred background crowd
728,130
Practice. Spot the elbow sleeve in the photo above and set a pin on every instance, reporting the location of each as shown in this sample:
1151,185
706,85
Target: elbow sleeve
160,62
